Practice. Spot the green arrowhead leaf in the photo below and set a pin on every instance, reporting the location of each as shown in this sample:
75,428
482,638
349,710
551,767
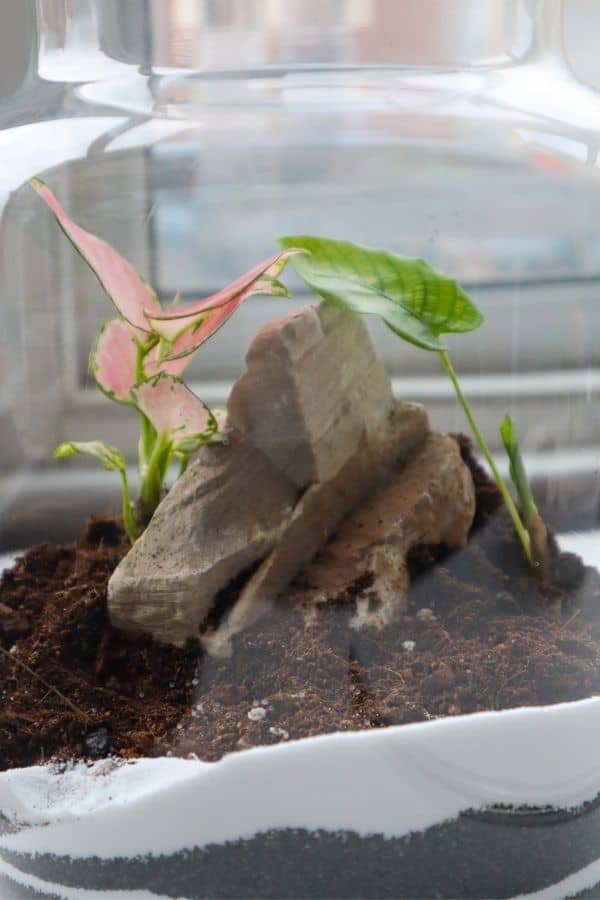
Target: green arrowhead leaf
414,300
110,457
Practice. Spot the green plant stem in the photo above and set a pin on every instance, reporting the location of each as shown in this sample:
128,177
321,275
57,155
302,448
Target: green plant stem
147,436
148,493
153,476
146,443
147,501
520,529
131,528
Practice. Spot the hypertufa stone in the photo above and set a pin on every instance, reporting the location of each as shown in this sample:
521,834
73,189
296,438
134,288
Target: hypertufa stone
312,431
429,500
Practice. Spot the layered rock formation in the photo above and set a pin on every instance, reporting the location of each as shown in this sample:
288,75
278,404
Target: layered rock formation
314,438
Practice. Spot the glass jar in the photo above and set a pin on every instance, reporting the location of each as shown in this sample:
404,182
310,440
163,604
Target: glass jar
190,134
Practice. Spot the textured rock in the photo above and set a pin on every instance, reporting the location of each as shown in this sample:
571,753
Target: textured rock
429,500
312,389
220,518
319,457
318,514
312,428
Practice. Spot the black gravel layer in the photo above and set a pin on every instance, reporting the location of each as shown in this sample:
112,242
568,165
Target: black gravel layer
476,856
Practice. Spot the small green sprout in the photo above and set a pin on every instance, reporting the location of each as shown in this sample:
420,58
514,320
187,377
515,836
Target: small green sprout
111,459
415,302
534,523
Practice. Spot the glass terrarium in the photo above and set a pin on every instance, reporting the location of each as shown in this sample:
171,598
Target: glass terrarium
397,711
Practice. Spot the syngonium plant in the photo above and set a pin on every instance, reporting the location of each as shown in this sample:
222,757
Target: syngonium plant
419,305
140,355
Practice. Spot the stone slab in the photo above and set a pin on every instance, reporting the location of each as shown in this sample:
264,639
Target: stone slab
430,500
226,513
313,385
318,514
313,401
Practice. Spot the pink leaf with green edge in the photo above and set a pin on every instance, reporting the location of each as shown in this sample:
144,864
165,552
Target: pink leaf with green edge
174,411
154,363
113,360
129,293
188,327
173,357
188,342
182,348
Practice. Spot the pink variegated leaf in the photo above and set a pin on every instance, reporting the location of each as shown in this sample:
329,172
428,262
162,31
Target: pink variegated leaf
129,293
173,356
155,362
113,360
181,349
174,411
190,341
187,342
187,328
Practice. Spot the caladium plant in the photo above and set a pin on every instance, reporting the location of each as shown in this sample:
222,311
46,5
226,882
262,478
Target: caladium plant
419,305
140,355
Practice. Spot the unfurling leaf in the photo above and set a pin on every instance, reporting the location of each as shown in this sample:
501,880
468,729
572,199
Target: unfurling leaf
414,300
535,525
114,358
186,328
129,293
110,457
510,439
177,415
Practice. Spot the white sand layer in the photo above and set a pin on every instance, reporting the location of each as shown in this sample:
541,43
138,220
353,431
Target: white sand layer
421,774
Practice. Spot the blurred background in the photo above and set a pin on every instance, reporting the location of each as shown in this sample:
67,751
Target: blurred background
190,133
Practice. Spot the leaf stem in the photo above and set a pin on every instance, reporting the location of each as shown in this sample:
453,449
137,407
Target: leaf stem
520,529
146,443
153,476
146,431
129,522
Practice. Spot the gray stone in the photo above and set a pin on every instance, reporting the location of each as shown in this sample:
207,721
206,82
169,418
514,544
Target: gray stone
312,427
312,389
430,500
223,515
319,512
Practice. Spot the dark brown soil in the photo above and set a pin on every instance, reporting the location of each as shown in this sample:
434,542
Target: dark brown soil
480,633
